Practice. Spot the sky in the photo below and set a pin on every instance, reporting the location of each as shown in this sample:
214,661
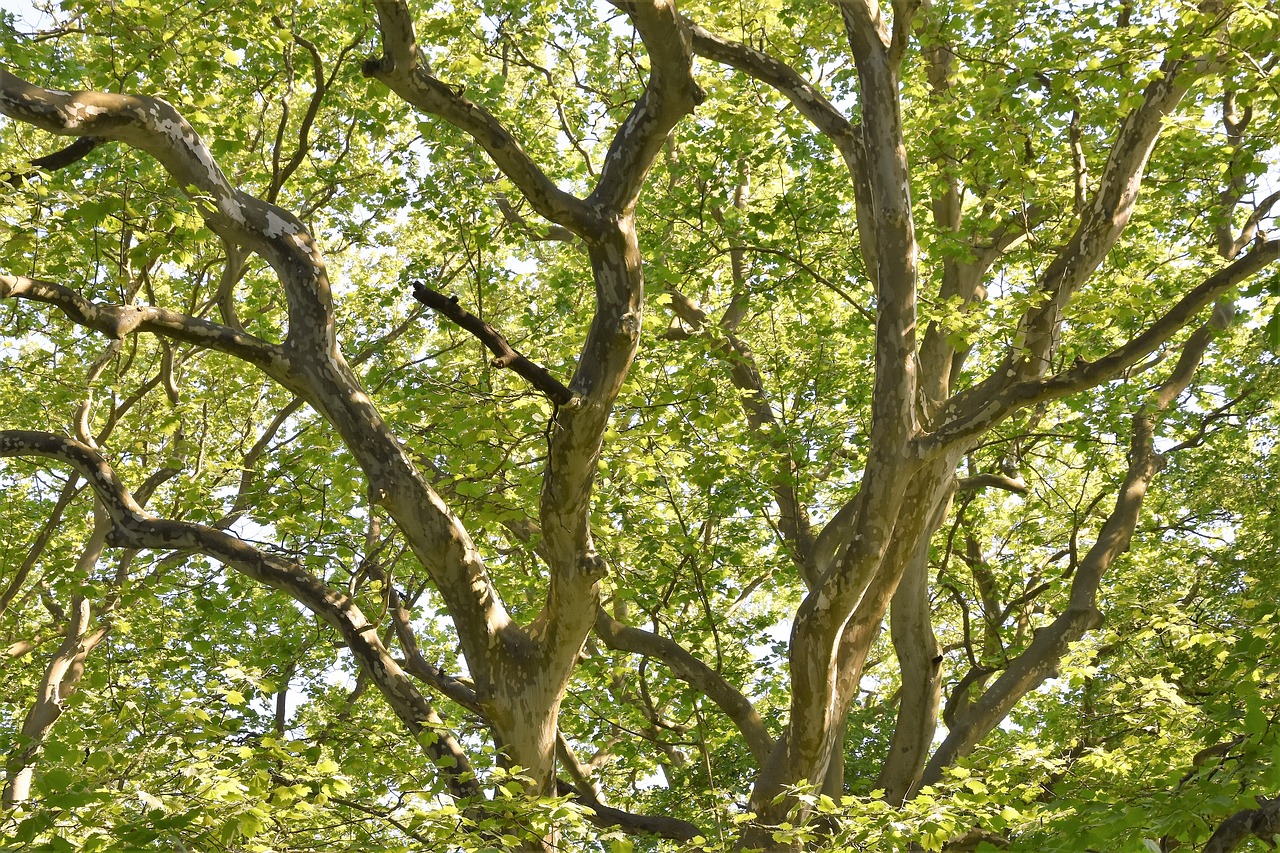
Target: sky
21,9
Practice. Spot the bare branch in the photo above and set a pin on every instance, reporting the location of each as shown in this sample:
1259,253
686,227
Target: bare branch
607,817
504,354
73,153
993,481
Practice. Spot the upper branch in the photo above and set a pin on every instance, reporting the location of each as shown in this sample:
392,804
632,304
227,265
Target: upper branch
154,126
802,94
407,73
865,25
1101,222
812,104
504,354
671,94
694,672
975,414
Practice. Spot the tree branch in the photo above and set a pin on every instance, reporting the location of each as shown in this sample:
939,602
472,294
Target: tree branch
669,96
607,817
132,527
1262,823
60,159
810,103
1040,659
154,126
504,354
975,412
1101,224
405,71
120,321
695,673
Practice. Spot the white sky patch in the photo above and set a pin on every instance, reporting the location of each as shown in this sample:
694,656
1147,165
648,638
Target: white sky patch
521,266
25,13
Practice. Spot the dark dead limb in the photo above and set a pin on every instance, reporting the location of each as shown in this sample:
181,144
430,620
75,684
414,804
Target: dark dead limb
504,354
606,817
59,159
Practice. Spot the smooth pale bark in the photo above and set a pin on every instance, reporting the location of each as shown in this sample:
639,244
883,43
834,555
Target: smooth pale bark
1050,643
920,664
522,693
834,627
520,673
61,675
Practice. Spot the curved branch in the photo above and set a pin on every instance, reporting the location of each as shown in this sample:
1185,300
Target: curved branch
310,363
60,159
1101,224
993,481
607,817
1262,823
154,126
1040,659
132,527
975,412
119,321
406,72
695,673
669,96
810,103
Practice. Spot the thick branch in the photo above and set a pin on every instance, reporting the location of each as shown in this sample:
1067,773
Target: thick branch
132,527
154,126
977,412
695,673
403,68
1262,823
120,321
606,817
1101,223
1040,660
993,481
505,355
60,159
669,96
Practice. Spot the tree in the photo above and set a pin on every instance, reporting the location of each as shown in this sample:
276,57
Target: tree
359,498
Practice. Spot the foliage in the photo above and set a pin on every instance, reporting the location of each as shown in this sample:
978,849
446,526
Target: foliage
722,460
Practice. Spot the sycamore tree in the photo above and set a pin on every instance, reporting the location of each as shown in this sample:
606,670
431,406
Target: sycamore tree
492,425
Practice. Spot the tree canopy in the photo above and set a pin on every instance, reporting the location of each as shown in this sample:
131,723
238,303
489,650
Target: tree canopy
486,425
